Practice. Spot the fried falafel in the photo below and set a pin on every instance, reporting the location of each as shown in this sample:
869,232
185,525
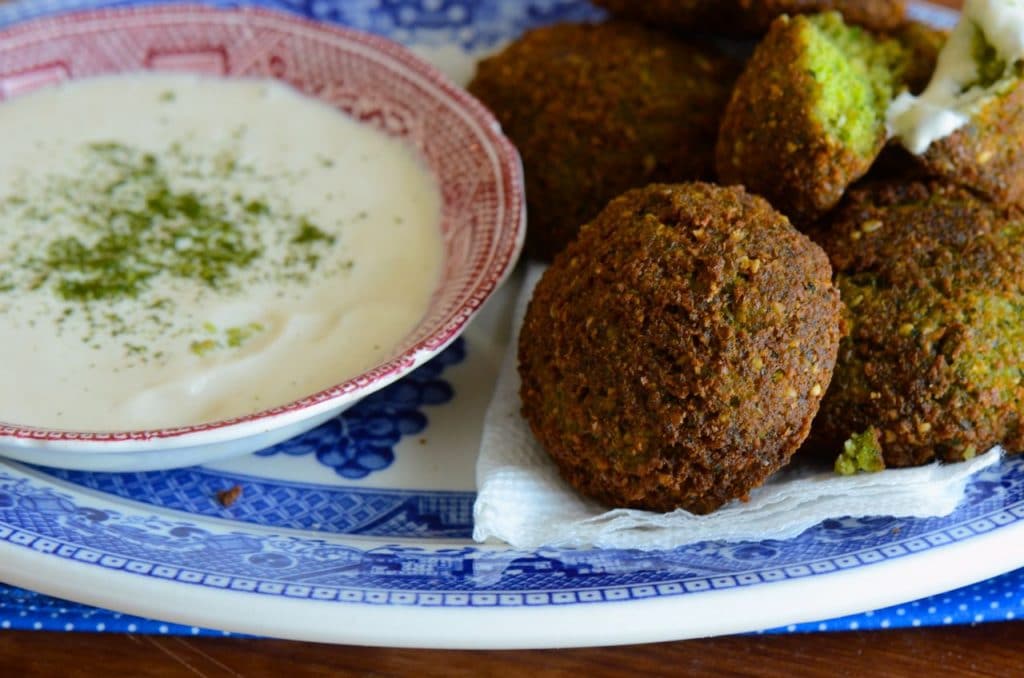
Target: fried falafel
807,116
596,109
922,44
980,90
747,18
932,280
675,353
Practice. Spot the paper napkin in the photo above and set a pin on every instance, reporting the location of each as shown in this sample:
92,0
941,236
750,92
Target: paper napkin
523,501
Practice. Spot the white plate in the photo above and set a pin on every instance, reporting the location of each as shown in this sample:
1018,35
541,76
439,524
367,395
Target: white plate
357,532
311,552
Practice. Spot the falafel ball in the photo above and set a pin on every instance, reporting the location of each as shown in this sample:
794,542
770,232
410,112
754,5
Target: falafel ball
596,109
807,116
674,355
932,280
742,18
986,153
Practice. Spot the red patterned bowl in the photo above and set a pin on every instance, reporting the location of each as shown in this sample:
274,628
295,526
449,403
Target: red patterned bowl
368,77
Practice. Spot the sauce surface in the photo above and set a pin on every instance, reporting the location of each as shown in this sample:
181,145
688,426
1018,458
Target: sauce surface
176,250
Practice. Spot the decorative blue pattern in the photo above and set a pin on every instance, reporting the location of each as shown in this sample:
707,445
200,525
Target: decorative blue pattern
998,599
361,440
300,506
470,24
354,444
36,516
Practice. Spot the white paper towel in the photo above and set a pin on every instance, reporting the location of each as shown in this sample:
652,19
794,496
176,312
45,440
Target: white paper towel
523,501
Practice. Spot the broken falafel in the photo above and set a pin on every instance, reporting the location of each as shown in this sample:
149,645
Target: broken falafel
974,105
807,116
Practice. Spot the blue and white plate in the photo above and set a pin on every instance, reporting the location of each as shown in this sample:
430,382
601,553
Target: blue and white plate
358,531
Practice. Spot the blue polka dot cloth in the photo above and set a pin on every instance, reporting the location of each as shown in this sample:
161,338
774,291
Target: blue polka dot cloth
997,599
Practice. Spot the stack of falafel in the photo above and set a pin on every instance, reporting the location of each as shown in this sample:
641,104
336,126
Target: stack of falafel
832,293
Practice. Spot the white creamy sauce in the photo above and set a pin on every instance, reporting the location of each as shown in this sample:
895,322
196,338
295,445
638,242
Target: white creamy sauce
948,102
177,250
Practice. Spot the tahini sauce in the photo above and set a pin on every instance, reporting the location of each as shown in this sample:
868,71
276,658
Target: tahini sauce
300,247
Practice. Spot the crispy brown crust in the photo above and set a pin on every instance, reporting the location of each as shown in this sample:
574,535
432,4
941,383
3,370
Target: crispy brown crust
770,140
675,353
910,257
742,18
598,109
894,163
923,44
987,154
878,15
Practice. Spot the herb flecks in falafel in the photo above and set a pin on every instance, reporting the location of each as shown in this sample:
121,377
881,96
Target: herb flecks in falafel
675,353
967,126
861,453
807,116
932,278
598,109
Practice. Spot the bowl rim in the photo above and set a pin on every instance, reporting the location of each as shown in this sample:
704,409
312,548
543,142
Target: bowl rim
511,213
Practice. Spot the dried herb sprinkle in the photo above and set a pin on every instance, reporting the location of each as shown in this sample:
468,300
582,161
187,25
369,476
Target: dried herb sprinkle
128,219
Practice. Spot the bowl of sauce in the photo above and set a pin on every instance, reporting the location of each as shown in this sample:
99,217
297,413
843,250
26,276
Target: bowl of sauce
219,228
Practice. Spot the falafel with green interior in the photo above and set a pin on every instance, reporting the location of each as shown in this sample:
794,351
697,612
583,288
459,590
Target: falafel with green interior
674,354
597,109
987,154
744,18
932,280
807,116
861,453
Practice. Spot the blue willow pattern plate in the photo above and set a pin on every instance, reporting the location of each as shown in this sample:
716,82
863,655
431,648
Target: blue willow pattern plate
359,530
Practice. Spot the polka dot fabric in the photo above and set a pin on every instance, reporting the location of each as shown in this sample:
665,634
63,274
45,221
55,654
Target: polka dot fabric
24,610
994,600
998,599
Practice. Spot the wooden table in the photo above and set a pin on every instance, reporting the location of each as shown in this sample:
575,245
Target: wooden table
987,650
